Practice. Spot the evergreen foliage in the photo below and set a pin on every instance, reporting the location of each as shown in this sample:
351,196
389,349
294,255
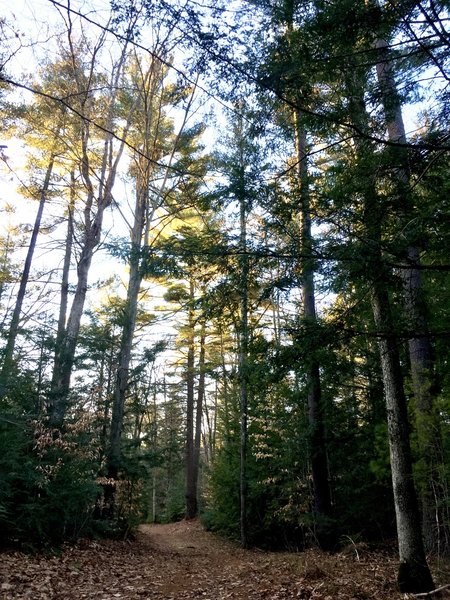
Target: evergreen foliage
48,491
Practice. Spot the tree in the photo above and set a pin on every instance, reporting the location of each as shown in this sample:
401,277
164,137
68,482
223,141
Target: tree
419,344
42,131
413,573
158,142
242,197
189,294
7,366
99,197
319,461
148,86
190,455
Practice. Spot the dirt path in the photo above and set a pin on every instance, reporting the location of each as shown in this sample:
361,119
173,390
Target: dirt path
182,561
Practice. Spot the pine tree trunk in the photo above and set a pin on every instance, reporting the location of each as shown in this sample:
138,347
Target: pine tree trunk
243,367
210,434
8,353
319,461
419,344
65,353
64,297
225,393
127,335
414,574
191,487
199,409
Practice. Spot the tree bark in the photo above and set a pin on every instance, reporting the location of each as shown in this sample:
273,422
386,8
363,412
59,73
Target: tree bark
319,460
191,487
65,353
414,574
243,363
64,298
126,343
419,344
199,410
8,354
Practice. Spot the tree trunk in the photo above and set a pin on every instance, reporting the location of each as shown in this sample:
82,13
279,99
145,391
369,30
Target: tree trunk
199,409
225,392
191,487
414,574
419,344
128,329
65,353
319,461
64,298
243,366
8,354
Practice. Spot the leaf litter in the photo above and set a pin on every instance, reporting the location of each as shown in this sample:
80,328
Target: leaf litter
183,561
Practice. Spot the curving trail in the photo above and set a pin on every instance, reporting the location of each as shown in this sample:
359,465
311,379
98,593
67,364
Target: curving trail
198,564
183,561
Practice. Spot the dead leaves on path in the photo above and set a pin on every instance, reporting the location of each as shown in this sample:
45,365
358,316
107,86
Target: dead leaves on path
182,561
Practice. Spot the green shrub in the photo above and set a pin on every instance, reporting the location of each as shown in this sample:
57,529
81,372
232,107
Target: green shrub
47,484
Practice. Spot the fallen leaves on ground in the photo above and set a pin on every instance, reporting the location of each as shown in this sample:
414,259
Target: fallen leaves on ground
182,561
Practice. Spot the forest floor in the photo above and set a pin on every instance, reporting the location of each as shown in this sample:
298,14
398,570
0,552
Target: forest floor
183,561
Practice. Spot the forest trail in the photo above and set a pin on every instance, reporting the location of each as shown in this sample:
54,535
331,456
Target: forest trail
183,561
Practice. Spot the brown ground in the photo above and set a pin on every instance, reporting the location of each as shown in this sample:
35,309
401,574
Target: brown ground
182,561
